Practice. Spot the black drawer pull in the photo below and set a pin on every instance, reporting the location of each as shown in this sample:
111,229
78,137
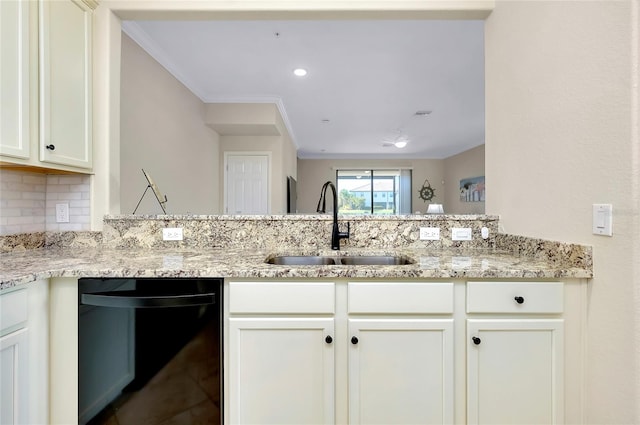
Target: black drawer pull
476,340
50,147
328,339
519,300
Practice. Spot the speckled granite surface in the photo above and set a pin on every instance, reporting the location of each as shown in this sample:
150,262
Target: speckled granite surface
27,241
300,231
133,248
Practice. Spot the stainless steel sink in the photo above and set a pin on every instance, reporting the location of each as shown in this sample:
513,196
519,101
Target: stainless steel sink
350,260
376,260
301,260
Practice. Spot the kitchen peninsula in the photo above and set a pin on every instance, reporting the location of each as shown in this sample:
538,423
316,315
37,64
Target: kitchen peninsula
458,305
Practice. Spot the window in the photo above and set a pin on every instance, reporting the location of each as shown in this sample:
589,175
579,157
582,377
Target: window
374,191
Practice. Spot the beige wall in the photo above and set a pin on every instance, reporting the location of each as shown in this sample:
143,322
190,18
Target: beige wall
466,164
562,134
313,173
163,131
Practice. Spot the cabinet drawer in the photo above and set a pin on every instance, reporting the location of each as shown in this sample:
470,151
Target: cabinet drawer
13,310
515,297
401,297
282,297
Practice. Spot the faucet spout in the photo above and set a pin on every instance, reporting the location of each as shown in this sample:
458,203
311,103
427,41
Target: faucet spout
336,234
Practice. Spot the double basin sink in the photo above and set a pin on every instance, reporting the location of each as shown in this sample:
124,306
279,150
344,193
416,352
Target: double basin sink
348,260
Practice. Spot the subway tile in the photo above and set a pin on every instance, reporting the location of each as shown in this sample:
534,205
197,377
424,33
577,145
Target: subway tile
20,220
28,200
58,188
70,180
33,195
8,176
70,227
35,179
10,212
69,196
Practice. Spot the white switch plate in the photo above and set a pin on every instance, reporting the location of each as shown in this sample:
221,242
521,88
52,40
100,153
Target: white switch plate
603,219
172,234
460,233
62,213
429,233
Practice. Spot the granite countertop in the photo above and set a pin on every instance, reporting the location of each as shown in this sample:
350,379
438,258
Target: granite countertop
26,266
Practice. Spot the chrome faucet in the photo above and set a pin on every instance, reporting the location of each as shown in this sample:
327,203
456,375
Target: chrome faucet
336,234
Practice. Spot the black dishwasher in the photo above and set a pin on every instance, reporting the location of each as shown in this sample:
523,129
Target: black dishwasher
149,350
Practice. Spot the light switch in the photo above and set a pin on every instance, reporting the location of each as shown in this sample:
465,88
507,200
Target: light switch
603,219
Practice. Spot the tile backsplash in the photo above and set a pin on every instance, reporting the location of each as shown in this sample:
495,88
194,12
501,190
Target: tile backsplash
28,202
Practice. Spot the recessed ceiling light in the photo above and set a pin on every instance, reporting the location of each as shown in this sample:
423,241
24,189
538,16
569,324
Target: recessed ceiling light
325,121
300,72
400,144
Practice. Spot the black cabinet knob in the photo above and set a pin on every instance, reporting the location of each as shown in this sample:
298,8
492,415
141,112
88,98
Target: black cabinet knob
50,147
519,300
328,339
354,340
476,340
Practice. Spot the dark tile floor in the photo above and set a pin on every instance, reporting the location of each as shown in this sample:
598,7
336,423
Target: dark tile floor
186,391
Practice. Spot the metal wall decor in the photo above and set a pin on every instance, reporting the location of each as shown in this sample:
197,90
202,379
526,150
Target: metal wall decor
426,192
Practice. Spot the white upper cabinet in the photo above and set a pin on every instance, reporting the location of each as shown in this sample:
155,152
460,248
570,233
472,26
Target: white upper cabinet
65,83
14,84
45,119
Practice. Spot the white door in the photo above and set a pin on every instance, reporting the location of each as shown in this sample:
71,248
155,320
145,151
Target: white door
401,371
515,372
281,371
246,184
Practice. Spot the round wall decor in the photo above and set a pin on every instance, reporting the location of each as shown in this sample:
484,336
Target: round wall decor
427,193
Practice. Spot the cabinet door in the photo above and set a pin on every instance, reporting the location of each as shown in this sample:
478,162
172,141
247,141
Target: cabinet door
515,372
14,84
401,371
281,371
13,378
65,83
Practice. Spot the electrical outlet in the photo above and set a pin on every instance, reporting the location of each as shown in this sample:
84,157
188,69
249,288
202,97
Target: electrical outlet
62,213
172,234
461,234
429,233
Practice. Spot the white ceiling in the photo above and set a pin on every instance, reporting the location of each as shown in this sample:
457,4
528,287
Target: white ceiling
367,77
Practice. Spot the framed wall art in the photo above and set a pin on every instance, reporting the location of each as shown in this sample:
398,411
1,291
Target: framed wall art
472,189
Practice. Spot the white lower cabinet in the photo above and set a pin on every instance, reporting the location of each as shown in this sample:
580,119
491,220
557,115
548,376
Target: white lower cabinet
282,371
14,378
515,357
24,355
515,372
376,352
400,371
281,358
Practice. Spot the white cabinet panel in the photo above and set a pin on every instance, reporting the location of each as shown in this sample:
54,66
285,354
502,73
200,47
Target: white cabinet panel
14,378
65,83
14,79
401,297
401,371
281,371
13,310
282,297
515,297
515,372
